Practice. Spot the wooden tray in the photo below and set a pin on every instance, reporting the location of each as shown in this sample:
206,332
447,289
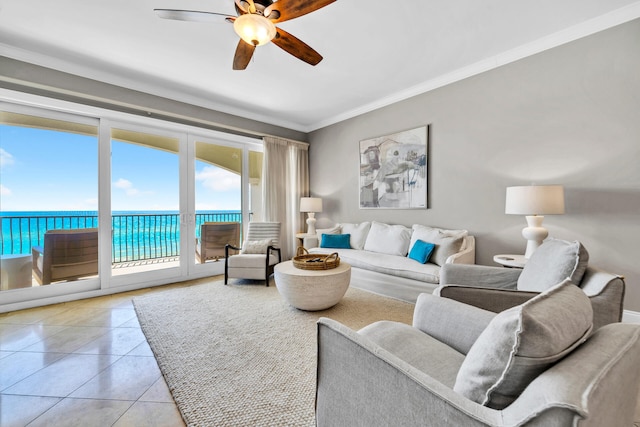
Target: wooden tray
306,261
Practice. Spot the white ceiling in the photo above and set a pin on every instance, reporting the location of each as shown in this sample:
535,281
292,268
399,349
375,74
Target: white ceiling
375,52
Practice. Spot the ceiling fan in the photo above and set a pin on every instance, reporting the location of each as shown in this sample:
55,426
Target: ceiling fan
255,24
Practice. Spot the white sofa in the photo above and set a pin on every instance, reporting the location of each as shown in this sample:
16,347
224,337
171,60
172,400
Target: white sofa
378,254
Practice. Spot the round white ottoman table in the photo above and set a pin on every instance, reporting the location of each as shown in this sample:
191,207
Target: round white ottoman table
312,290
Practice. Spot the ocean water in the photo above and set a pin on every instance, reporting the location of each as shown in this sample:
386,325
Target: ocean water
136,235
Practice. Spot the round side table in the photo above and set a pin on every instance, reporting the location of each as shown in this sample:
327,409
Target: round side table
509,260
15,271
312,290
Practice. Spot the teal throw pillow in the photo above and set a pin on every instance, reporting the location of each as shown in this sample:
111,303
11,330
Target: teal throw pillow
421,251
335,241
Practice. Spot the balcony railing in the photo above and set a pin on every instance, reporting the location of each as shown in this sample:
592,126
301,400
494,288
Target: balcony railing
135,237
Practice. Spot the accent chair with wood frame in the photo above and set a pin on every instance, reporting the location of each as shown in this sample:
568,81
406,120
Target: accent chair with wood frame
214,236
258,256
66,255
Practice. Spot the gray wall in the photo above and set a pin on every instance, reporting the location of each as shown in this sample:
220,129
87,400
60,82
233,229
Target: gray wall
569,115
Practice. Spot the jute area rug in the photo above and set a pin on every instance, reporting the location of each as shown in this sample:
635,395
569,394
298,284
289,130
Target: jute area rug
239,355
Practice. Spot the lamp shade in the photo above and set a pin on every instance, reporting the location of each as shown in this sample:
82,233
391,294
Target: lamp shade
535,200
310,204
254,29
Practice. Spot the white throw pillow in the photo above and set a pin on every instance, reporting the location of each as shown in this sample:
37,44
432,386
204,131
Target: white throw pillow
256,246
448,242
333,230
358,233
388,239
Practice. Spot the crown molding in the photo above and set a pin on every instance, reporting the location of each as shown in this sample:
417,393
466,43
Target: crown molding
587,28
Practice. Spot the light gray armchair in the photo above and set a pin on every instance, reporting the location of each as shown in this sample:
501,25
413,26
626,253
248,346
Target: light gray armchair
390,373
496,288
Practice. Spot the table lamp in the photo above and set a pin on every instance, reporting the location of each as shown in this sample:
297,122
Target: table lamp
311,205
534,201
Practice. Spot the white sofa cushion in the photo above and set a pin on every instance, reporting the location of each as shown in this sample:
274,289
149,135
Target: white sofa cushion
448,242
388,239
393,265
358,233
522,342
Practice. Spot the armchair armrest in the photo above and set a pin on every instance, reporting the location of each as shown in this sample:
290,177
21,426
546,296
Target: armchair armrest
465,256
347,393
456,324
481,276
36,253
606,292
228,247
274,249
490,299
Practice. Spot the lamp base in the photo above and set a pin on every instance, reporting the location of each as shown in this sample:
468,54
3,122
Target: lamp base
311,223
535,233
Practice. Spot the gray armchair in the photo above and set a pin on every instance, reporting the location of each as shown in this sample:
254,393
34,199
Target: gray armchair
497,288
390,373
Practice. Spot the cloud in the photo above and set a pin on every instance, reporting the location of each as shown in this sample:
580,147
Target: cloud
127,186
217,179
6,158
4,191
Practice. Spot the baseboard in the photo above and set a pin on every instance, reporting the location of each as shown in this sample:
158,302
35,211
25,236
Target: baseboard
629,316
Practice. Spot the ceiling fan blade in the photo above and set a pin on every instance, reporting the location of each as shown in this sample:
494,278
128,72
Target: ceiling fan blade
289,9
296,47
240,7
191,15
243,55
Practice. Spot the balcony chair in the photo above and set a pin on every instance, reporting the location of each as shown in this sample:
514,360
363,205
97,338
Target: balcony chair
214,236
66,255
259,254
497,288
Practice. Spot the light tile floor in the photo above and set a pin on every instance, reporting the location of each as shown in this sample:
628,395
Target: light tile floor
82,363
85,363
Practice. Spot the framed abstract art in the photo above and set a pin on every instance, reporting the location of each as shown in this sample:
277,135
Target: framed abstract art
393,170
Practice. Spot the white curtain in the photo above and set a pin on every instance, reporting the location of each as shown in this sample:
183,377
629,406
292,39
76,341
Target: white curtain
285,181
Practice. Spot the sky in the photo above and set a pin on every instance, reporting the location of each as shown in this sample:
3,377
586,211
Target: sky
45,170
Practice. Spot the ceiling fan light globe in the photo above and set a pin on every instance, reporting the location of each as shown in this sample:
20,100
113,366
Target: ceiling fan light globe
254,29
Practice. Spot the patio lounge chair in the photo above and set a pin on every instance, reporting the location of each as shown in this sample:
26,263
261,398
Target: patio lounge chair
214,236
66,255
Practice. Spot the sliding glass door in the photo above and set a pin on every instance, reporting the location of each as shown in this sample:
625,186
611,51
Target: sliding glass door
48,204
145,201
93,204
226,186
